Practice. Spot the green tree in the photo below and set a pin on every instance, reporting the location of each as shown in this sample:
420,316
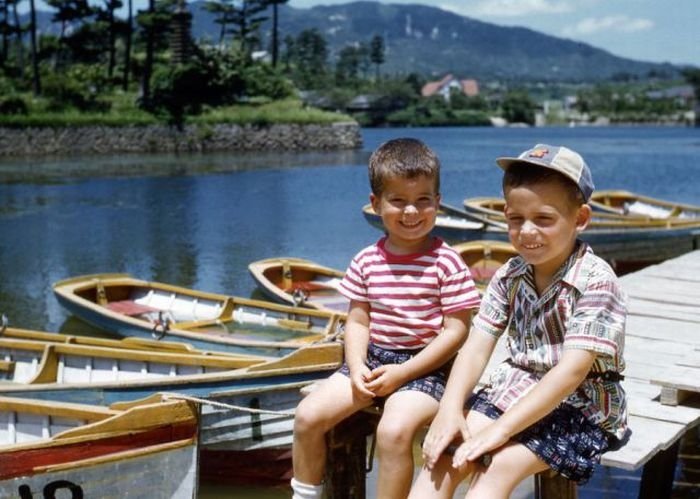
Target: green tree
107,16
275,28
518,107
289,51
222,11
128,38
244,22
155,24
36,78
70,11
692,76
376,53
310,56
347,68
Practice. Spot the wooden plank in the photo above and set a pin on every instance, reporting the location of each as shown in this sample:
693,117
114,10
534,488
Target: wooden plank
637,347
677,383
643,401
651,309
657,303
651,292
679,332
649,436
691,359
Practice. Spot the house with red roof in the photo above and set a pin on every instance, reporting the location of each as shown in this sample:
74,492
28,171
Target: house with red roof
445,86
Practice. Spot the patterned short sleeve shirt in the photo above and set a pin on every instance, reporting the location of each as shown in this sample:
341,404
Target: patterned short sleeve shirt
583,308
409,295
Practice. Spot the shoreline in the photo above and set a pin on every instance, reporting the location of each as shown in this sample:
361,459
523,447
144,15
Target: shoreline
100,139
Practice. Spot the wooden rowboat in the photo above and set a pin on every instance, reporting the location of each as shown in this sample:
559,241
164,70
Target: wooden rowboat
629,204
603,216
127,306
103,376
59,449
130,343
247,405
483,259
300,282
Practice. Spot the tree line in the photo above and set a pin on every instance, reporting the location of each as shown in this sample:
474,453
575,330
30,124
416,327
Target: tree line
101,47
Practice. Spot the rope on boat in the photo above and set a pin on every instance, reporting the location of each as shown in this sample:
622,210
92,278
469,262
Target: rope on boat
179,396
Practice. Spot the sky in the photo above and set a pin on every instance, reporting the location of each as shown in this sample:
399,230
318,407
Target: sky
645,30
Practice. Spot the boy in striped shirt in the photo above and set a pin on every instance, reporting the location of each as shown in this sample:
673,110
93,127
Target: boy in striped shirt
411,302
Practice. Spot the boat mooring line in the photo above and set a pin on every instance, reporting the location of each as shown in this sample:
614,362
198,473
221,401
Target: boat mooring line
178,396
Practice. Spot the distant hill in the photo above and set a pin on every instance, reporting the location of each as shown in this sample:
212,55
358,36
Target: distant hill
432,42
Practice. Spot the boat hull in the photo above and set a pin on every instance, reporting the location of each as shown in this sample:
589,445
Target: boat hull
72,450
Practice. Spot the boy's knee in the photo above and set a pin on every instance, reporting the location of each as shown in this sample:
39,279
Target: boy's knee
305,419
393,435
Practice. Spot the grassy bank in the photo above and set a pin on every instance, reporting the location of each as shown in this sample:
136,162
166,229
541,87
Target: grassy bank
120,110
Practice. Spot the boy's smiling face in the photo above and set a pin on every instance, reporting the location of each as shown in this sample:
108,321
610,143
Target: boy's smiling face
408,207
543,224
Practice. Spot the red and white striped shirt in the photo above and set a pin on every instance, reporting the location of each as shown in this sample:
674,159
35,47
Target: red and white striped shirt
409,295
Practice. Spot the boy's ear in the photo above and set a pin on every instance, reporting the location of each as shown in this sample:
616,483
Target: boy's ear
374,201
583,217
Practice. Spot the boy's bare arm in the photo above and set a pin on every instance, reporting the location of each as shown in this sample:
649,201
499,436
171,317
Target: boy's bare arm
547,394
466,371
442,348
356,341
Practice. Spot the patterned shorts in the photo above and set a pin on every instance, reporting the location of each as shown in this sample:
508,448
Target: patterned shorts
432,383
564,439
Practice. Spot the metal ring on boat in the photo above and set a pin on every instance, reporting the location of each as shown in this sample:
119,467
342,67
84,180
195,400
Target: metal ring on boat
3,324
299,296
163,323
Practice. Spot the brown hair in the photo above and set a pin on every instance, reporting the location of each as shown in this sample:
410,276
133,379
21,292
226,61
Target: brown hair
519,174
405,158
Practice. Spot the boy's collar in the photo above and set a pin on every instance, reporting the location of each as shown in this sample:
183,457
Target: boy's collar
571,271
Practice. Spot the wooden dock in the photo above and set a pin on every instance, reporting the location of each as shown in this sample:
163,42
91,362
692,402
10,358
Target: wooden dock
662,381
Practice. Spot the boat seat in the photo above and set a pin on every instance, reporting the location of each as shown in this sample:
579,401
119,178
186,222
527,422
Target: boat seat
130,308
7,366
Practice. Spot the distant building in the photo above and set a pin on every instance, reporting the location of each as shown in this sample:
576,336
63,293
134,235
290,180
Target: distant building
445,86
683,95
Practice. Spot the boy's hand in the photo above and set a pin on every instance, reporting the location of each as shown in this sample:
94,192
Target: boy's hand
479,445
444,429
386,379
358,379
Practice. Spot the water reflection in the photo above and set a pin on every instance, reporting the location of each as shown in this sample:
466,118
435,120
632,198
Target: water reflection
52,169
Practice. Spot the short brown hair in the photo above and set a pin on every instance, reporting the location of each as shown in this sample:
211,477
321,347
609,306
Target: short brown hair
518,175
406,158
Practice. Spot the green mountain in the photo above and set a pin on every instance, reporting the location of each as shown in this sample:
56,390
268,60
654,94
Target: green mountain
432,42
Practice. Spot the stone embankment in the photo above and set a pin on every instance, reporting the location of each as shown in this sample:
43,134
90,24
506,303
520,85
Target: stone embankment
37,141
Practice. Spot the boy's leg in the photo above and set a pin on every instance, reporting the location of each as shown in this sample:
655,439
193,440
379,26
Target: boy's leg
329,403
508,467
405,412
440,482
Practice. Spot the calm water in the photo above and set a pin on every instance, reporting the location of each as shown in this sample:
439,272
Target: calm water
198,220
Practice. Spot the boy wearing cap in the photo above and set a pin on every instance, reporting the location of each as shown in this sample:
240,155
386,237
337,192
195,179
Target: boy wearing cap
556,402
